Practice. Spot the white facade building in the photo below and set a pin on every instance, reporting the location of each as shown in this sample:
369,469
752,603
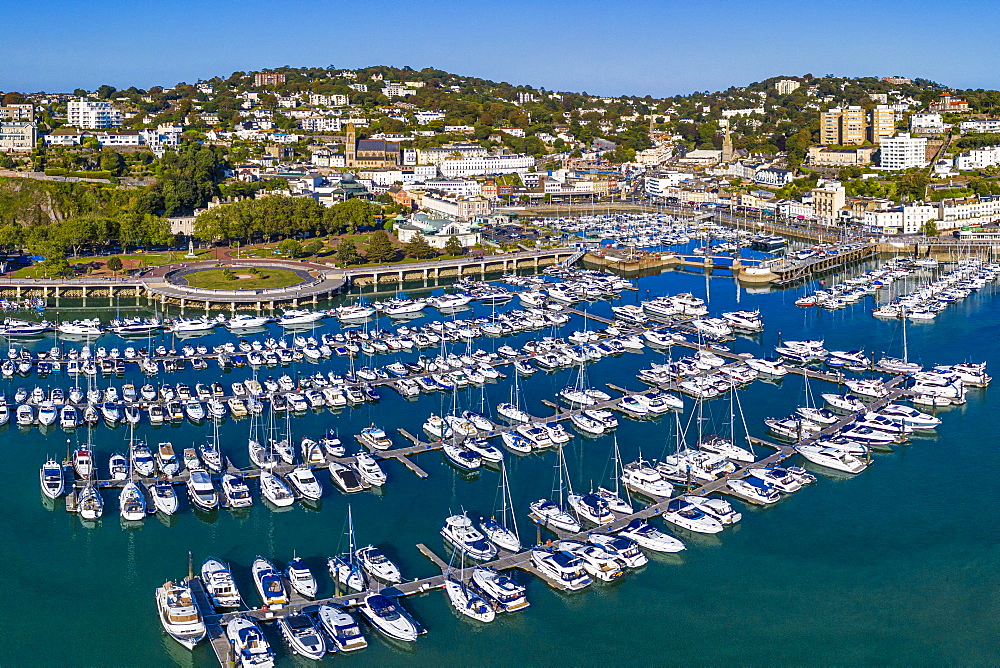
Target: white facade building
328,100
392,90
320,124
91,115
903,152
424,117
435,156
486,165
978,158
786,86
927,123
980,125
656,186
18,136
462,208
906,219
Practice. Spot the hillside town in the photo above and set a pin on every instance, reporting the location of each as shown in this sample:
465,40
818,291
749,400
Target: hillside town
887,156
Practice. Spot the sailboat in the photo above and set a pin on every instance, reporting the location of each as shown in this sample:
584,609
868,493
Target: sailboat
895,365
550,513
726,447
511,411
464,599
346,571
614,497
503,532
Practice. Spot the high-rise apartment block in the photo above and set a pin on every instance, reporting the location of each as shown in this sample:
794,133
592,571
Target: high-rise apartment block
786,86
268,79
854,125
91,115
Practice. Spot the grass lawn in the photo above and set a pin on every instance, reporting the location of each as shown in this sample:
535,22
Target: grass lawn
214,279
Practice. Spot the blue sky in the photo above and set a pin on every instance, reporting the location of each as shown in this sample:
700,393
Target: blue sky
633,47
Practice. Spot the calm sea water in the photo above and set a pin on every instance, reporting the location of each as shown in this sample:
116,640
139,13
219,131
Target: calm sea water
895,566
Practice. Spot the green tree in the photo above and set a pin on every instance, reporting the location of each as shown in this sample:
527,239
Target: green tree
290,247
6,162
419,248
930,228
380,248
314,247
115,264
454,246
347,252
111,161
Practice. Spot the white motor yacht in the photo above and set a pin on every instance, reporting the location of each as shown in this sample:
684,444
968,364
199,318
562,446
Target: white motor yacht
592,507
756,489
625,550
388,617
301,578
378,565
248,641
718,509
300,317
179,615
201,490
369,470
269,584
651,538
52,479
341,628
345,478
302,636
375,438
500,589
164,497
564,567
245,321
462,457
304,482
832,457
220,585
598,562
685,515
916,420
236,491
459,531
643,479
779,478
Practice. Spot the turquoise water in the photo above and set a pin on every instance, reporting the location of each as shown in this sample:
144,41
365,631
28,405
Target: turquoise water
895,566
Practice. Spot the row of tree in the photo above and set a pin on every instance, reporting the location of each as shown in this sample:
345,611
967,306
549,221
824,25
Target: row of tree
279,216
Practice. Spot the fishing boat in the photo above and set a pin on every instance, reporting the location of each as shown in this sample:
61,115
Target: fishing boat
249,644
388,617
301,578
220,586
341,628
378,565
179,615
269,584
302,636
132,503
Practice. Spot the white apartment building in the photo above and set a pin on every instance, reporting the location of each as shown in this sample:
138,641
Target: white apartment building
18,136
786,86
459,128
906,219
160,139
486,165
435,156
91,115
513,132
460,187
361,88
328,100
961,212
320,124
117,137
978,158
903,152
424,117
729,113
927,124
656,186
392,90
980,125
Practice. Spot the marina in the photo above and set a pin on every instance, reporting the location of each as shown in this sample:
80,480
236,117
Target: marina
693,339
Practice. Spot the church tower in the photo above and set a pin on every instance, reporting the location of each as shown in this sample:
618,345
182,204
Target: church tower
351,146
727,142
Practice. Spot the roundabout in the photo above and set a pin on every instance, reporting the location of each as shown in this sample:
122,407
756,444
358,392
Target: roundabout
241,278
